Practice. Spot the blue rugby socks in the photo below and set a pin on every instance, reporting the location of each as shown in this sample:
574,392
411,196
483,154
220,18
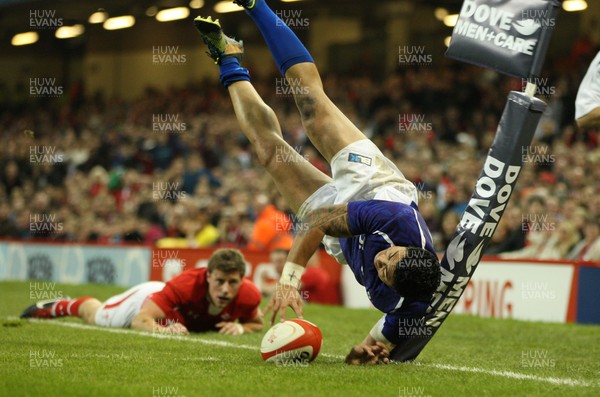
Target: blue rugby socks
286,48
231,71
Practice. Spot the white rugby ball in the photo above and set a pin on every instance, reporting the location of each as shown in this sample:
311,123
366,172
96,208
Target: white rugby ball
292,341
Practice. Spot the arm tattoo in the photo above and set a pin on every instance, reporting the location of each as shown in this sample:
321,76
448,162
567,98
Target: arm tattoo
331,220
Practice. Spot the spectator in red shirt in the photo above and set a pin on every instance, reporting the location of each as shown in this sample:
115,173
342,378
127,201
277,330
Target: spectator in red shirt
217,298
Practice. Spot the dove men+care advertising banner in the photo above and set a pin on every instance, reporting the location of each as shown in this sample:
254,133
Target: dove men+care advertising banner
509,36
479,221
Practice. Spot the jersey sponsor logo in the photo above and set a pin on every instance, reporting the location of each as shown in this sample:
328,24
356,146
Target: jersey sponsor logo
359,158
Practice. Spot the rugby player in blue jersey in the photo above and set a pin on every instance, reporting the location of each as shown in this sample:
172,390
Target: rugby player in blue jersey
366,215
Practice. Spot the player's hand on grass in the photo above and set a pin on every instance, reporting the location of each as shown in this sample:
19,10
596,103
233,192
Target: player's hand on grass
175,329
285,295
230,328
368,354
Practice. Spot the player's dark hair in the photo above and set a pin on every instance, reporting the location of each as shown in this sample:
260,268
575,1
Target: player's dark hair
227,260
418,274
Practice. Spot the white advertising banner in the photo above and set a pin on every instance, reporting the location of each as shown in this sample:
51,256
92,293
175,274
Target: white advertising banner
518,290
76,264
515,290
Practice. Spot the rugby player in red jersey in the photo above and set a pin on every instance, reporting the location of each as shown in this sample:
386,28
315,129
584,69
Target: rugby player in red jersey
216,298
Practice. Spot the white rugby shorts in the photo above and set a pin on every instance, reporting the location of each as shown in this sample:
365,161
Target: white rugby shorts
588,95
360,172
119,310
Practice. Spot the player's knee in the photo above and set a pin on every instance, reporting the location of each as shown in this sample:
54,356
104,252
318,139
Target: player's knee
88,310
89,318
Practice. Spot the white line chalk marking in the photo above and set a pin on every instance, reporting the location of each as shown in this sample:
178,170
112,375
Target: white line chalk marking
491,372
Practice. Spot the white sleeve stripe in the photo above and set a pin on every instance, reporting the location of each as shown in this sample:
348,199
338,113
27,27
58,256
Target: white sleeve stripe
400,302
385,237
423,241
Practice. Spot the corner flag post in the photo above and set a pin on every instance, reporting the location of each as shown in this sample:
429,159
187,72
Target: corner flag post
504,161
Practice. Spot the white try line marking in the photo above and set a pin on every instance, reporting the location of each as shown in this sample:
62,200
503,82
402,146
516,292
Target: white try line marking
491,372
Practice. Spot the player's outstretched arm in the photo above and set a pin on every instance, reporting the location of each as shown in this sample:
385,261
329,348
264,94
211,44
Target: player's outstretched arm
330,220
146,318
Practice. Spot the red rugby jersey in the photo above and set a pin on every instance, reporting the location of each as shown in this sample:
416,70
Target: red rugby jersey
184,300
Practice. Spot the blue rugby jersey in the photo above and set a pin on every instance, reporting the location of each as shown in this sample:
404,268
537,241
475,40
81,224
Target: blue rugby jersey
378,225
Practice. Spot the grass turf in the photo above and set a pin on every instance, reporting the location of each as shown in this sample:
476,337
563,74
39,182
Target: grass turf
53,358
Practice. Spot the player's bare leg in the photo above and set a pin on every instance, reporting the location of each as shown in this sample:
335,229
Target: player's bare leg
85,308
326,126
296,178
88,309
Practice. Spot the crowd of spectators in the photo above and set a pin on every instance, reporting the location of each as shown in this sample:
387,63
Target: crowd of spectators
172,168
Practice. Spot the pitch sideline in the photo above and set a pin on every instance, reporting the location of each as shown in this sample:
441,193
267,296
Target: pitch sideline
498,373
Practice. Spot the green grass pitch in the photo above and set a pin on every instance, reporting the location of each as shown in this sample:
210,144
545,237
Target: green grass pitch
467,357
